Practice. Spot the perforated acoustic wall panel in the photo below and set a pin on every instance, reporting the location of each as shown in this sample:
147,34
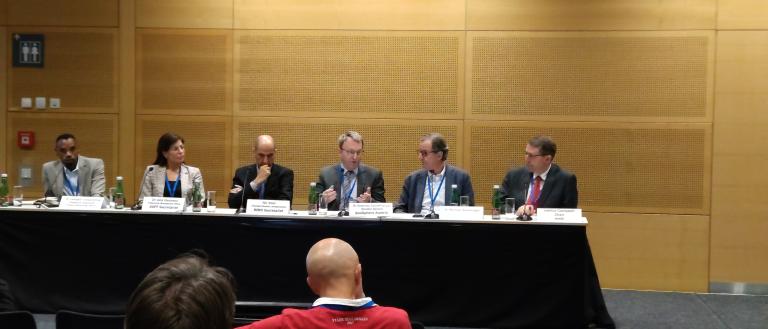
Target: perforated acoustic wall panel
306,145
376,74
80,69
183,71
641,168
98,13
207,140
583,76
96,137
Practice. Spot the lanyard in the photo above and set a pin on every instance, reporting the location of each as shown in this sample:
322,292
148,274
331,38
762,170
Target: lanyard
433,198
68,185
172,191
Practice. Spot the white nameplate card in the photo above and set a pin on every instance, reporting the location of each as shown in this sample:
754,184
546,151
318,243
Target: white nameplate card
157,204
564,214
268,207
358,209
460,213
81,202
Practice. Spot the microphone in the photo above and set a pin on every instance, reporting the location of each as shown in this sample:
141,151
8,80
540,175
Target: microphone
525,217
44,203
241,209
138,204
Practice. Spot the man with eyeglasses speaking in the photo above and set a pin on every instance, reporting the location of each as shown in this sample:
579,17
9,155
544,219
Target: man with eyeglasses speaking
350,180
431,186
540,183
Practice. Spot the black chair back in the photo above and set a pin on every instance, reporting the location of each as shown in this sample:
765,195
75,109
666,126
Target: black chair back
17,320
75,320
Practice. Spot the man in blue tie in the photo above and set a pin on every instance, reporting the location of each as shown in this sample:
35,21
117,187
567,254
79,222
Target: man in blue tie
262,180
350,180
540,183
72,174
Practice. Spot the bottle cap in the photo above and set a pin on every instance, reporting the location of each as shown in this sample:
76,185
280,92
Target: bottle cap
312,184
495,186
454,186
4,175
119,177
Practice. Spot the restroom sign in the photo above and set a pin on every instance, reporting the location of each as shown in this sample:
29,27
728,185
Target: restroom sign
28,50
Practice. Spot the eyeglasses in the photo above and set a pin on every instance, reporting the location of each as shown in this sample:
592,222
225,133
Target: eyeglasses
529,155
352,153
424,153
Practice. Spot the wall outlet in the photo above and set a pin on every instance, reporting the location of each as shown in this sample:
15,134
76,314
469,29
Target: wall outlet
26,102
39,102
55,103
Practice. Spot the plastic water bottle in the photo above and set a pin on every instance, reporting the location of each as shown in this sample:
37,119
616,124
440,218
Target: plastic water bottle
4,190
119,193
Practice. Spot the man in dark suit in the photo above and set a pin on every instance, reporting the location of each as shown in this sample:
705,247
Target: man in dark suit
431,186
540,183
350,180
262,180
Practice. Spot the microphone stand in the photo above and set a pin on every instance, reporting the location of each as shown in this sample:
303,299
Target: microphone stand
241,209
139,203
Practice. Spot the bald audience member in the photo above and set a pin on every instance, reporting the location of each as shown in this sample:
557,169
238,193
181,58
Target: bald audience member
262,180
184,293
334,273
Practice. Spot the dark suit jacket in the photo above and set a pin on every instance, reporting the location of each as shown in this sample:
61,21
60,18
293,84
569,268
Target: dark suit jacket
413,188
366,176
559,191
279,185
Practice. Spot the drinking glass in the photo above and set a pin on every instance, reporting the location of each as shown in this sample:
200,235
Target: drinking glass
18,195
464,201
111,196
509,206
322,206
211,199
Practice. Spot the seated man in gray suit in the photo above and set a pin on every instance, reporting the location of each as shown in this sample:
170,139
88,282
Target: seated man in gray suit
72,174
350,180
429,187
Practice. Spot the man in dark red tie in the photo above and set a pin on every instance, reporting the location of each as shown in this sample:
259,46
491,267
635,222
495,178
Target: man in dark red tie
540,183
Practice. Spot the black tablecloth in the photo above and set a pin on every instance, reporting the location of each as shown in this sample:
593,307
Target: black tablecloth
442,273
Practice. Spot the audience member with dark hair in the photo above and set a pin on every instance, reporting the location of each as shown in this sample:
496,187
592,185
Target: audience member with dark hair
334,273
183,293
7,302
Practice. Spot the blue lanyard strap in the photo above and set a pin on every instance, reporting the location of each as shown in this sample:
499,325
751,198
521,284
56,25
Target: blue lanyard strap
172,190
433,198
338,307
76,190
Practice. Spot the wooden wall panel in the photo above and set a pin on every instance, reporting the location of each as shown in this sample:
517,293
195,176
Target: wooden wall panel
742,14
587,76
81,68
3,12
650,252
350,14
590,15
183,71
97,13
621,167
216,14
342,74
739,221
306,145
127,113
207,145
96,135
4,162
